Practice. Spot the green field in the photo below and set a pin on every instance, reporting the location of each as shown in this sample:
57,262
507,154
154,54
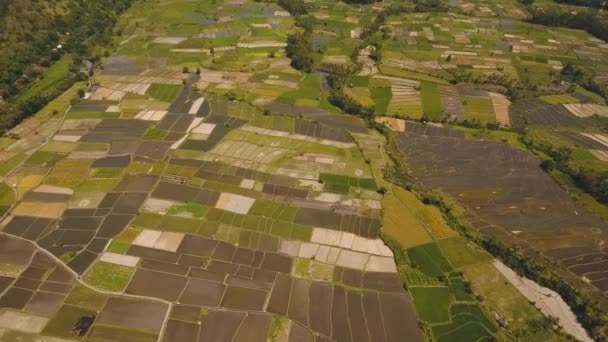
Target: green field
341,184
431,101
41,158
164,92
432,303
478,109
112,333
62,324
92,115
429,259
85,297
57,73
461,253
559,99
109,277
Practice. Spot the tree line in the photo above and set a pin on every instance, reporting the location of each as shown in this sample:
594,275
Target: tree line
590,20
595,183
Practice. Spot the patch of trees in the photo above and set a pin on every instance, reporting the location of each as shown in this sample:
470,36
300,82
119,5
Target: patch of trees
337,79
300,50
294,7
350,105
574,74
587,20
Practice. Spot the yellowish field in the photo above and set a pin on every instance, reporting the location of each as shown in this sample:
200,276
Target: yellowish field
400,222
39,209
361,94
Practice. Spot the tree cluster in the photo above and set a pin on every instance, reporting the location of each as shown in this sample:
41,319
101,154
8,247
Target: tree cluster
294,7
300,50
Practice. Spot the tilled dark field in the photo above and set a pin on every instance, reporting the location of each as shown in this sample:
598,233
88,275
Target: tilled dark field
537,112
514,200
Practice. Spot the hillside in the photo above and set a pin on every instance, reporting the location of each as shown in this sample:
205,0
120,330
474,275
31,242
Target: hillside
35,34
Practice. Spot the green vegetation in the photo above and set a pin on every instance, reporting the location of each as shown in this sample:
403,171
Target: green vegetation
431,101
111,333
108,276
475,68
92,115
48,44
164,92
107,173
432,303
299,49
119,247
12,163
429,259
341,184
62,324
559,99
85,297
479,109
41,158
461,253
155,134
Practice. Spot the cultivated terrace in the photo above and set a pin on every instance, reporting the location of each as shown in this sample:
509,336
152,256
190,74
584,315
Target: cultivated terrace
303,170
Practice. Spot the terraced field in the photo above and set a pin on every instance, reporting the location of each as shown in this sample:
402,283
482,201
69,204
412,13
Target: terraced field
204,186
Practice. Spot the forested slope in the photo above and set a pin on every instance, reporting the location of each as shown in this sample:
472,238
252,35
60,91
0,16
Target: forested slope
31,32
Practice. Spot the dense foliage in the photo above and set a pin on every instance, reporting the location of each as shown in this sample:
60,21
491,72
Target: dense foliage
589,20
300,50
34,34
294,7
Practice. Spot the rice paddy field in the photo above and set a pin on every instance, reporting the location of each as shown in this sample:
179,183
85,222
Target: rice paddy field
204,189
